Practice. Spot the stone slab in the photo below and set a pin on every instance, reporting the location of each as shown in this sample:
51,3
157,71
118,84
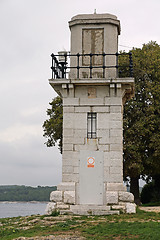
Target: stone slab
66,186
69,197
70,101
118,207
115,187
56,196
125,197
51,206
61,205
130,208
111,197
92,210
87,207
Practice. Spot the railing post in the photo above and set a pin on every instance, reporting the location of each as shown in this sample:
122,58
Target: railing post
65,65
117,64
52,55
90,64
104,64
78,55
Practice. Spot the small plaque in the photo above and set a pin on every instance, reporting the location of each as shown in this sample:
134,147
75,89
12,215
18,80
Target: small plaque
91,92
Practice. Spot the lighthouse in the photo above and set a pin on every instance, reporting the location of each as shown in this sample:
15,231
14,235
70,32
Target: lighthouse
87,79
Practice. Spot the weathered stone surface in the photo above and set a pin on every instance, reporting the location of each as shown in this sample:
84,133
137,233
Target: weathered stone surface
118,207
67,169
116,124
103,135
115,116
102,109
115,187
82,109
111,197
61,205
91,210
69,197
66,186
70,101
115,109
68,132
70,177
90,207
73,140
116,155
116,132
68,109
115,178
78,133
116,163
56,196
126,197
70,162
91,101
86,147
51,206
115,170
102,213
130,208
76,169
80,121
68,120
116,147
103,121
117,101
68,147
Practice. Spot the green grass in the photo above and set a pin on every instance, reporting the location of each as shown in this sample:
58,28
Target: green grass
151,204
142,225
124,230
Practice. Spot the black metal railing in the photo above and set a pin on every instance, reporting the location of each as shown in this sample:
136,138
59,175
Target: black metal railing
60,68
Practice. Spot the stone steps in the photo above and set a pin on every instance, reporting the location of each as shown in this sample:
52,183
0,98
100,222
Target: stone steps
89,210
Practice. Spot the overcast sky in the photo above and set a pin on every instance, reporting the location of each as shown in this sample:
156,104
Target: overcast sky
30,30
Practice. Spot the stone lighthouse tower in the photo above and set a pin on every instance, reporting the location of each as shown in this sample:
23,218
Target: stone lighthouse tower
93,96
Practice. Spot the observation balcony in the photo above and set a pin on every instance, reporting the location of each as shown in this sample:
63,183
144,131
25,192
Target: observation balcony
96,66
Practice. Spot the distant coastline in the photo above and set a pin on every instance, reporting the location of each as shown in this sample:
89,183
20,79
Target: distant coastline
17,193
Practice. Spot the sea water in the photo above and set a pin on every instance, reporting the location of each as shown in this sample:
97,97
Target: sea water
16,209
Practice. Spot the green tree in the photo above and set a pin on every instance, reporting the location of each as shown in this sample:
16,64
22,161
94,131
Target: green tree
53,126
142,118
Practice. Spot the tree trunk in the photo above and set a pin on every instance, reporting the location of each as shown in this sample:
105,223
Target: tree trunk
134,188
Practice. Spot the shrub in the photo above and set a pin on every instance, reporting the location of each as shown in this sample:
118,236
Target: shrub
150,193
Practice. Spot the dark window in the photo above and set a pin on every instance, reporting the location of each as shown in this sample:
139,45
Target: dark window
92,123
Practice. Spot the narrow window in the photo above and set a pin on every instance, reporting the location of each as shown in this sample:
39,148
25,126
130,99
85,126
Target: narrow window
92,122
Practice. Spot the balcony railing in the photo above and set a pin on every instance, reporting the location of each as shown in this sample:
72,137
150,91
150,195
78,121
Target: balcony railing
61,67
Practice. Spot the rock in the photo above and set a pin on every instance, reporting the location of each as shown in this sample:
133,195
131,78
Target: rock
61,205
126,197
111,197
56,196
69,197
50,208
130,208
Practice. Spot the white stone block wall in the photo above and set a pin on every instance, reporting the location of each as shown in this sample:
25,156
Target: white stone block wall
109,132
102,96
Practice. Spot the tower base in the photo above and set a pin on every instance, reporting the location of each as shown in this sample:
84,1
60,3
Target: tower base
116,200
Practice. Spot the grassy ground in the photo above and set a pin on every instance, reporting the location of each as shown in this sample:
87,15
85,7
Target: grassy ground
142,225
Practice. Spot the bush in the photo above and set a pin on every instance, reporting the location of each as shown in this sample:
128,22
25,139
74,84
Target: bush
150,193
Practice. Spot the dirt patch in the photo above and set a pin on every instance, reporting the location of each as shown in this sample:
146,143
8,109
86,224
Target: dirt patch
52,237
150,209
